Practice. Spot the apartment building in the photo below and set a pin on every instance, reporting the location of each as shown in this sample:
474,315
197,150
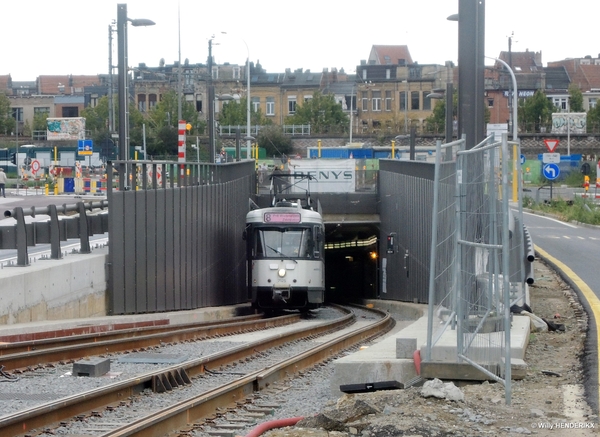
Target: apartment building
389,93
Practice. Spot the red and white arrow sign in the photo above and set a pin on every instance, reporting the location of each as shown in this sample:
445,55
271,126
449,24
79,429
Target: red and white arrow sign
551,144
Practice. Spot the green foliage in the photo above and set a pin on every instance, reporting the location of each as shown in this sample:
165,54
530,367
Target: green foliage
593,119
96,118
576,99
536,111
436,122
165,112
321,112
7,122
272,139
39,121
580,210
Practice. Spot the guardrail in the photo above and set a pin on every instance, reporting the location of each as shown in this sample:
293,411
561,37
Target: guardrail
53,231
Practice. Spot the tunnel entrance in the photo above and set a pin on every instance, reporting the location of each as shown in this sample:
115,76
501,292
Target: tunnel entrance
351,257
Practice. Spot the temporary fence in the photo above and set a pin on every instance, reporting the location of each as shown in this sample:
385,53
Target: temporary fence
478,258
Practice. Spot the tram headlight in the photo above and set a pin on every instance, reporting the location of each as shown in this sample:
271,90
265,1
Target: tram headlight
281,273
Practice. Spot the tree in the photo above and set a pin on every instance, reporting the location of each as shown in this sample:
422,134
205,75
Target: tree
593,119
321,112
96,118
272,139
7,121
165,112
576,100
535,111
436,122
235,113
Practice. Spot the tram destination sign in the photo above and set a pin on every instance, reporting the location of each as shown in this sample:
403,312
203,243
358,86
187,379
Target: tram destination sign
282,217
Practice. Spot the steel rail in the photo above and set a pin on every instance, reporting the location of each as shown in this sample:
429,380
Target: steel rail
52,413
180,415
75,350
94,333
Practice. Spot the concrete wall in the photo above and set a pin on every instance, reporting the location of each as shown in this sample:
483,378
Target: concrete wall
69,288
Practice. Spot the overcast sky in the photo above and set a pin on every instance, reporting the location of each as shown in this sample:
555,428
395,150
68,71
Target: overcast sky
44,37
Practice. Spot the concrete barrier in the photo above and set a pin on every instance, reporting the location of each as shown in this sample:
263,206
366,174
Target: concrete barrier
69,288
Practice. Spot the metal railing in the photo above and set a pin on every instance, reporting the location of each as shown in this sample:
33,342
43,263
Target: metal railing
81,226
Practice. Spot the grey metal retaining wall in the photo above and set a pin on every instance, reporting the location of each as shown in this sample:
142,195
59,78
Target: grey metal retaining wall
405,194
179,247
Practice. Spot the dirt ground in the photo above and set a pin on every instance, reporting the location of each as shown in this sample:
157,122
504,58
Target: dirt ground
550,396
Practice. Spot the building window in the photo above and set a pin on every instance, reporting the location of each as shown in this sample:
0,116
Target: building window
70,111
17,114
199,103
93,100
188,78
560,102
490,103
388,100
426,101
365,102
414,100
152,101
402,100
593,101
291,104
215,73
236,72
142,102
307,99
388,73
41,110
255,104
364,74
270,106
376,101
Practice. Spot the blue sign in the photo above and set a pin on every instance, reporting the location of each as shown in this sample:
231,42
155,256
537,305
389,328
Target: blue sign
85,147
522,159
551,171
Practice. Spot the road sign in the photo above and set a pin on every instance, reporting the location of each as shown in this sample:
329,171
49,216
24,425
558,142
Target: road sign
85,147
551,144
551,171
551,158
35,166
522,159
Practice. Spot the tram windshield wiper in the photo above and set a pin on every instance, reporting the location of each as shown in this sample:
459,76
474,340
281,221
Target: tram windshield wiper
280,253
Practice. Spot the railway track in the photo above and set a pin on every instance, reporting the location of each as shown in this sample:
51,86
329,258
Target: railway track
212,394
39,353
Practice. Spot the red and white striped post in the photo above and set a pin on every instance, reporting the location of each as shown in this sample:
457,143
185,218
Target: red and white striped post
181,147
597,195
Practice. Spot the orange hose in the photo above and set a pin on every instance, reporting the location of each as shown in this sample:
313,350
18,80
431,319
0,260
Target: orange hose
273,424
417,359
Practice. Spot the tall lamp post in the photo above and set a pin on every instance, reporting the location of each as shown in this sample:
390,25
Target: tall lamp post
248,137
123,90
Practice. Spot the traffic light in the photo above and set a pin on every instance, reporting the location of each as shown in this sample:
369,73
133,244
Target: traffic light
13,158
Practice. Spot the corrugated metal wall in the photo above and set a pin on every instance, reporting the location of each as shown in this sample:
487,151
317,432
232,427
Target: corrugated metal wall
180,247
406,199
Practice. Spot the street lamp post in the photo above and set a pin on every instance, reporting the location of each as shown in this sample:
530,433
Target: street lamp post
248,137
123,90
406,107
211,104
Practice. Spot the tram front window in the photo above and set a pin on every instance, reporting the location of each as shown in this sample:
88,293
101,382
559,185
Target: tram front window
288,242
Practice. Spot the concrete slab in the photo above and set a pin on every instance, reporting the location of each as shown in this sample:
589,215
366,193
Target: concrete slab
92,367
383,360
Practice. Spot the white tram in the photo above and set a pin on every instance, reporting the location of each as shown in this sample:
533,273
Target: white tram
285,255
